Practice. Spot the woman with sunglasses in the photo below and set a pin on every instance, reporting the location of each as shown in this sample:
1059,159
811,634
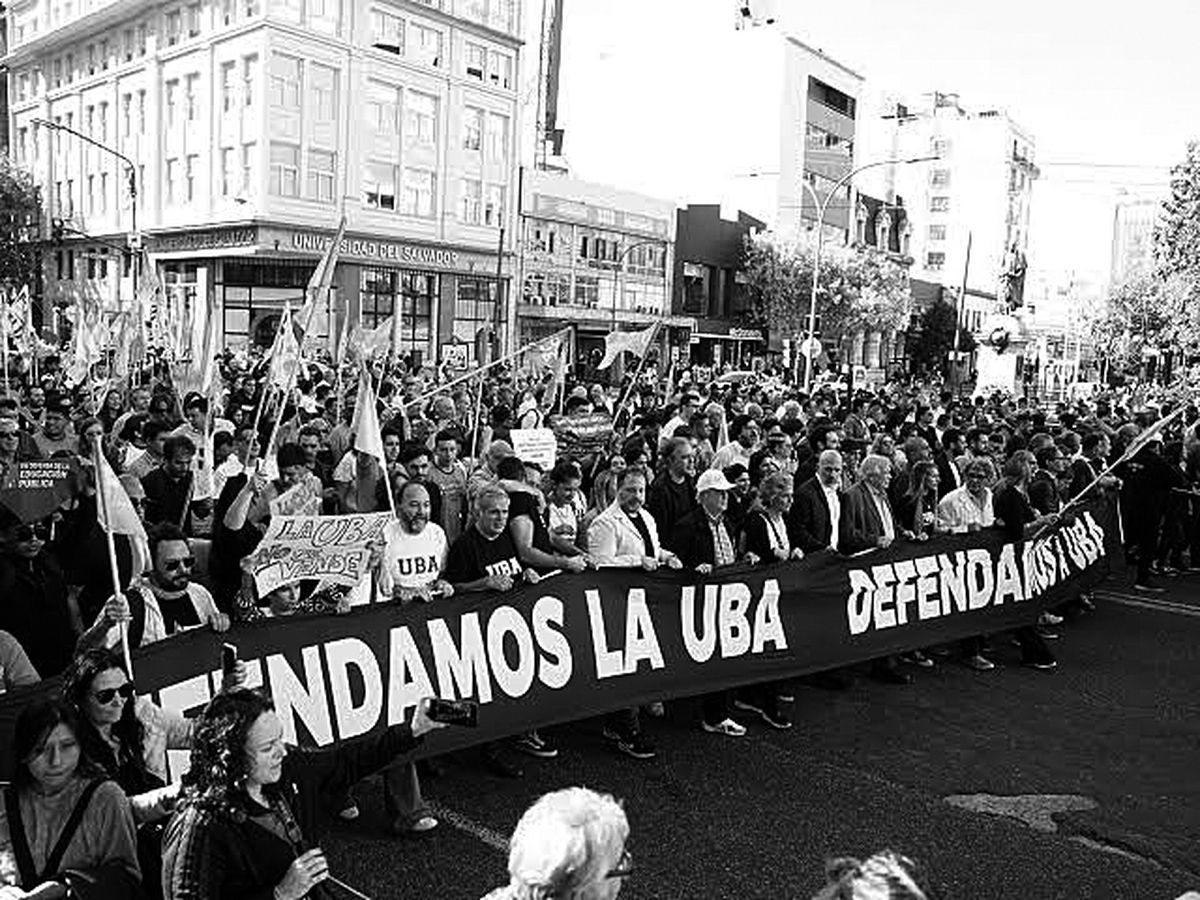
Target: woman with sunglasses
65,829
248,818
35,609
570,845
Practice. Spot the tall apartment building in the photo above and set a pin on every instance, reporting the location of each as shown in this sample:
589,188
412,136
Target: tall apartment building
252,125
1134,220
980,186
596,259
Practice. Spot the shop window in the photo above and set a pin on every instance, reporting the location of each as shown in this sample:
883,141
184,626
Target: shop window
474,308
408,295
587,290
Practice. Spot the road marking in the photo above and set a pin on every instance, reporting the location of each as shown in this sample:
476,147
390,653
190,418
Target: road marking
489,836
1167,606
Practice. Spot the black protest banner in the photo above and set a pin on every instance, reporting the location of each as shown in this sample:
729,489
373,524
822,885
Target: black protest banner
575,646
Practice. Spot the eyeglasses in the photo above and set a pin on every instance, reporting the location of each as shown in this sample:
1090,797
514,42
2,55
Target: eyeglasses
40,532
106,695
8,434
174,565
624,867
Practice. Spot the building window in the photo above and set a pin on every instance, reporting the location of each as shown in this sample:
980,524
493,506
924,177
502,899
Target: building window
472,202
193,164
285,170
193,20
587,290
474,308
290,10
172,181
379,185
172,91
476,61
322,86
497,139
141,39
418,193
420,118
128,43
939,204
228,11
190,86
940,147
228,87
126,115
937,232
103,193
249,78
939,178
325,16
104,47
472,128
321,165
500,69
174,27
285,82
934,260
409,296
425,45
493,206
249,151
91,55
70,68
229,172
387,31
141,111
383,107
91,195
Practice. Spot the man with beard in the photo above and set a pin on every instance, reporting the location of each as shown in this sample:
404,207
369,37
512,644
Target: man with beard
170,488
416,553
169,601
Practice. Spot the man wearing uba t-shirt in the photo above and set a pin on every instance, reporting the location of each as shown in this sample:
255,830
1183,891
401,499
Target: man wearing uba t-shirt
485,558
416,554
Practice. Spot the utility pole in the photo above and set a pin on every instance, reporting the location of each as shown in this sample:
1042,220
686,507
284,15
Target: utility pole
959,310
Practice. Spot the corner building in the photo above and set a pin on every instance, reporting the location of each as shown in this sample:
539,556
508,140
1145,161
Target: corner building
252,124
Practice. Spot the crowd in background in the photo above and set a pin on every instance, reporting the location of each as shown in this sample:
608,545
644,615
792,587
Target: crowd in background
674,470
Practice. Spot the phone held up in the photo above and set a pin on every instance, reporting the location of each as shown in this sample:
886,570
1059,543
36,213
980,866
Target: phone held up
464,713
229,659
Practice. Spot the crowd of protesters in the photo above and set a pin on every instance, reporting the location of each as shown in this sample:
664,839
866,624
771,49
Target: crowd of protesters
690,472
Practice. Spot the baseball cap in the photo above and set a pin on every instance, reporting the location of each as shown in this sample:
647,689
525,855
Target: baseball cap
712,480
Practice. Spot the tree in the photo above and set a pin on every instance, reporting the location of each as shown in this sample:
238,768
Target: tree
934,338
1146,313
1177,237
20,218
860,289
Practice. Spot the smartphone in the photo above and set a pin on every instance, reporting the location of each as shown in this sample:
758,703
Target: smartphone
464,713
229,658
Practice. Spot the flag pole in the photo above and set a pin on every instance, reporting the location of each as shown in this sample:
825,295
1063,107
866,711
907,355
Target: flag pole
636,375
114,571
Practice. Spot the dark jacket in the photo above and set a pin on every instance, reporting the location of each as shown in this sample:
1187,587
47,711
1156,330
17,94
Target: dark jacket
809,520
756,537
220,854
692,540
861,526
669,502
949,477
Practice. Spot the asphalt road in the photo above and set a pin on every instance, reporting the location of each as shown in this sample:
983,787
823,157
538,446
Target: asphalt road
1112,737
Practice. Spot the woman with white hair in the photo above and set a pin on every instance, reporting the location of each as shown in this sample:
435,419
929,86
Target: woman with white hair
570,845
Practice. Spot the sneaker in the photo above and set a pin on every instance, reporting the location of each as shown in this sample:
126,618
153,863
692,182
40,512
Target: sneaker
1045,633
349,812
633,745
1049,618
727,727
499,765
535,745
1045,663
979,663
423,825
748,706
776,718
785,697
1149,588
655,710
917,658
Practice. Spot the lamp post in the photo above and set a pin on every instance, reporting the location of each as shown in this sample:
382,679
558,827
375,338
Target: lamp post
812,305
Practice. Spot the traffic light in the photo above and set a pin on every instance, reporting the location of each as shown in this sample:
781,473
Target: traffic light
56,231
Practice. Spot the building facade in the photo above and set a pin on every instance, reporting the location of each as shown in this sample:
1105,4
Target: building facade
710,286
1134,221
595,259
253,126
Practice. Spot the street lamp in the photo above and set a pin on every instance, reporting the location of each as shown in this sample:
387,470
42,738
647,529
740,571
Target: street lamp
812,305
131,168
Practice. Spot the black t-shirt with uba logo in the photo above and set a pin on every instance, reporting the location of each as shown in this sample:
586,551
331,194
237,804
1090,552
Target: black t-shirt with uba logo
473,556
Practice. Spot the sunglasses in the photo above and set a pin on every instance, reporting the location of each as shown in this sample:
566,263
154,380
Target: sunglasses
624,867
106,696
174,565
40,532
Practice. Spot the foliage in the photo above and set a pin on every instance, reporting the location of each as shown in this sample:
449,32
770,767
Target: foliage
930,347
20,211
859,289
1147,312
1177,237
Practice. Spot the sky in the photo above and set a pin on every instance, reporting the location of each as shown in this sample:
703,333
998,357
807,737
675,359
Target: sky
1110,85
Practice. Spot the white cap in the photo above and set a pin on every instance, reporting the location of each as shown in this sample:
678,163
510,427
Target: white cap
712,480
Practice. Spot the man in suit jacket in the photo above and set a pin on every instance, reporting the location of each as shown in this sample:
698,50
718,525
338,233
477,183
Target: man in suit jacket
949,476
815,517
867,520
704,542
868,523
626,536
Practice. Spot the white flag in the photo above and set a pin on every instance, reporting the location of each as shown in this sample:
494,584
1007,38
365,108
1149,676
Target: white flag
368,437
636,342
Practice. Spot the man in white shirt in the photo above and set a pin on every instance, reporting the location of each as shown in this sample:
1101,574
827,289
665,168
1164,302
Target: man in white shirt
689,403
816,513
415,554
745,433
968,508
